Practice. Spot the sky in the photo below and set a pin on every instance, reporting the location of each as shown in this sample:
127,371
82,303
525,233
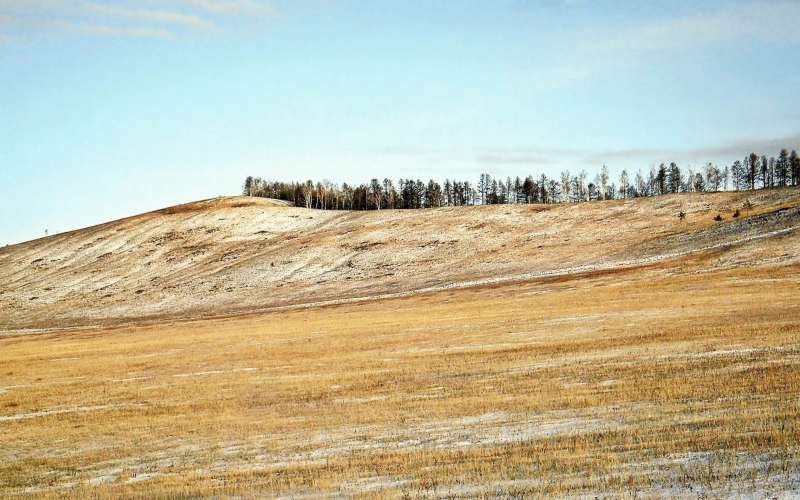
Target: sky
110,109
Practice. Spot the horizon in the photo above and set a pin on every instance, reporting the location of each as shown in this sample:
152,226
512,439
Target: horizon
114,109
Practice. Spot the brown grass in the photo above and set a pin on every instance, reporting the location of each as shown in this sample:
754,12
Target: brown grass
233,255
659,381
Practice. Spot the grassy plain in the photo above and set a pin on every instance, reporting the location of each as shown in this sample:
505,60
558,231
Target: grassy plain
668,380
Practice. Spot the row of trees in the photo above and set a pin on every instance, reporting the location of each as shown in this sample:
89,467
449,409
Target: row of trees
753,172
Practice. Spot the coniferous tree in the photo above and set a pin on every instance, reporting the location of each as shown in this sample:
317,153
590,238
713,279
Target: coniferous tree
517,190
484,185
782,170
448,193
433,195
469,194
753,168
528,188
544,196
661,179
737,175
699,183
247,188
591,191
674,178
752,173
553,190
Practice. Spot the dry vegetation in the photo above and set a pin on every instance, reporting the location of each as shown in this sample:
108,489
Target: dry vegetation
234,254
677,377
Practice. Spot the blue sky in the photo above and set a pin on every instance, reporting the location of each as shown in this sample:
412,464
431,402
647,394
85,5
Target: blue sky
109,109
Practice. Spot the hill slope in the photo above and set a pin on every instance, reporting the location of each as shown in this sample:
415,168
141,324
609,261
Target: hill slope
235,254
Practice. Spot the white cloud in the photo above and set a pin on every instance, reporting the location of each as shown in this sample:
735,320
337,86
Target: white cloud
154,18
552,159
724,152
108,30
512,158
764,20
232,7
601,48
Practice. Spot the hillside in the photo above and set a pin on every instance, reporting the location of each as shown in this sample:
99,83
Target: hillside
241,254
612,350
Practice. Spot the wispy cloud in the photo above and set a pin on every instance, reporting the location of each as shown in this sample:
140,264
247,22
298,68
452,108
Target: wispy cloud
524,155
154,18
553,159
771,21
232,7
603,48
108,30
512,158
730,151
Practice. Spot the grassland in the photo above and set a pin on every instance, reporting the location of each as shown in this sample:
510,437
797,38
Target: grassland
237,254
675,379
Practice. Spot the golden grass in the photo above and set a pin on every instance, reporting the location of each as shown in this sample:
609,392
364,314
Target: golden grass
647,382
234,255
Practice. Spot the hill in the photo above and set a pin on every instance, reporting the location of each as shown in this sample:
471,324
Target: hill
612,350
239,254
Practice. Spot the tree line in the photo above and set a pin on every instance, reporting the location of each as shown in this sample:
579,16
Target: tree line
752,172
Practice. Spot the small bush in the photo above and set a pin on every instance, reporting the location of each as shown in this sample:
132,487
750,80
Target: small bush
718,218
736,213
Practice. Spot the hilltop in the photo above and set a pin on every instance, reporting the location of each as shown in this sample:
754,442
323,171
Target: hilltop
238,254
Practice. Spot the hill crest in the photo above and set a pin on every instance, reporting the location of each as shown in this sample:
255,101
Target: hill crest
225,255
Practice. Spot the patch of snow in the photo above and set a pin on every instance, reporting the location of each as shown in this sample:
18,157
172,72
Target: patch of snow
45,413
143,477
215,372
103,479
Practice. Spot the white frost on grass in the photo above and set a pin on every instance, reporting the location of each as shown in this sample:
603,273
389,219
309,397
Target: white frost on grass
732,352
45,413
215,372
143,477
103,479
161,353
375,483
360,400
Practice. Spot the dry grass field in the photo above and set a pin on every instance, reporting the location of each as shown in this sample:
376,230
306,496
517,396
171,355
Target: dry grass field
675,377
237,254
